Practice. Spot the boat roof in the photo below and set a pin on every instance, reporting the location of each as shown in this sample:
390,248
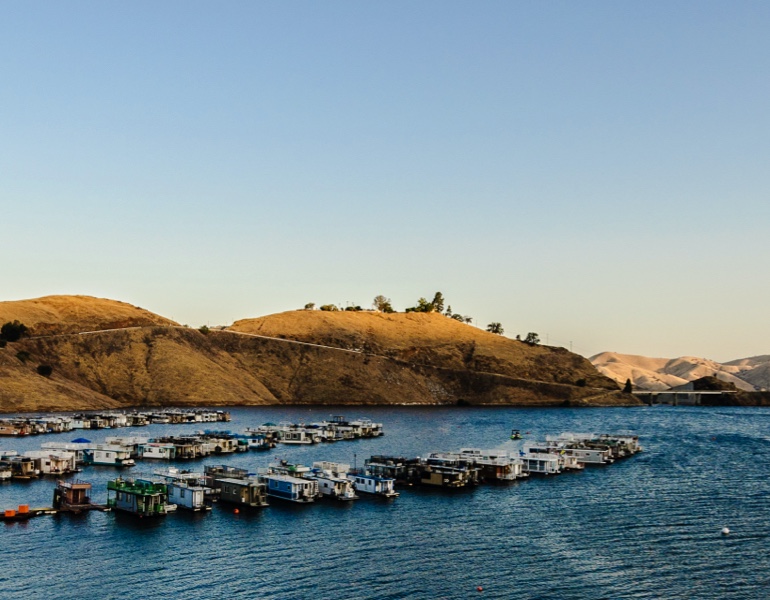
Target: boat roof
288,478
372,477
241,482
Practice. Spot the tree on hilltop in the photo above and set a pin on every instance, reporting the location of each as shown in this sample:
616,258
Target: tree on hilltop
532,339
423,306
495,328
438,302
382,304
329,307
436,305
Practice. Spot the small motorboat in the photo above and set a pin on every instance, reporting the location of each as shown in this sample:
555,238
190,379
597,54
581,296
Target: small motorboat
515,434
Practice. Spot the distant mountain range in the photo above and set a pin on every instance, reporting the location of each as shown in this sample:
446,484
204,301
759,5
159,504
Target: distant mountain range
749,374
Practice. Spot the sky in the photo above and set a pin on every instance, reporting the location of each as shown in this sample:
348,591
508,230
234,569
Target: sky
594,172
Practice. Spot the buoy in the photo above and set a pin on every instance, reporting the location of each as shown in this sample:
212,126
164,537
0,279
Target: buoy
236,511
479,589
725,531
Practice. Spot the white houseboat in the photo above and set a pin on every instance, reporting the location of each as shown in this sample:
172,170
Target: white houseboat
541,463
57,462
185,489
77,448
568,460
298,435
333,481
105,454
152,450
372,484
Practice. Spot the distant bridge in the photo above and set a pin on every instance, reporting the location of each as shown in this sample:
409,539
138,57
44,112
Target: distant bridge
678,397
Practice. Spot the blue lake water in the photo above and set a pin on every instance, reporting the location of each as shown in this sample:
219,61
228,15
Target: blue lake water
646,527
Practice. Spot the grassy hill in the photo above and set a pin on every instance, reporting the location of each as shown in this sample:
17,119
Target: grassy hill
52,315
137,358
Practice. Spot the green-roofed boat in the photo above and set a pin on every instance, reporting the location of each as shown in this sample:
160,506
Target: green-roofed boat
141,497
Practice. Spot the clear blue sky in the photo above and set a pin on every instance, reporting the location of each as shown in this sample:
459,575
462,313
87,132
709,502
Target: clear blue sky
596,172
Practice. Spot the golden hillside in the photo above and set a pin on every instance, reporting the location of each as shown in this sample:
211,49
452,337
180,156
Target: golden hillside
427,339
72,314
136,358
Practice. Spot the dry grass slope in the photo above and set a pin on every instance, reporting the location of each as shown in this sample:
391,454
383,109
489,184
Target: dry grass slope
137,358
52,315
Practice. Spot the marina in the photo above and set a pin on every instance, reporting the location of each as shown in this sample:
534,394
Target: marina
551,524
171,488
42,424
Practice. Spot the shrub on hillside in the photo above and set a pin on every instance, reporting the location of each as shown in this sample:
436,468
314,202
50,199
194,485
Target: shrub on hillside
45,370
13,332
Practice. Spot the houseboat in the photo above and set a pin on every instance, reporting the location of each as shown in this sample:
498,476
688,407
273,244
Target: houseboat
140,497
293,489
152,450
294,434
53,462
108,455
383,487
568,460
78,448
10,430
541,463
23,468
246,492
390,467
218,445
290,482
495,466
213,473
333,481
445,470
185,489
74,497
130,443
259,442
608,447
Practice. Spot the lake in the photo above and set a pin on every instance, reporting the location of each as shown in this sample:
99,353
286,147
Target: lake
645,527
